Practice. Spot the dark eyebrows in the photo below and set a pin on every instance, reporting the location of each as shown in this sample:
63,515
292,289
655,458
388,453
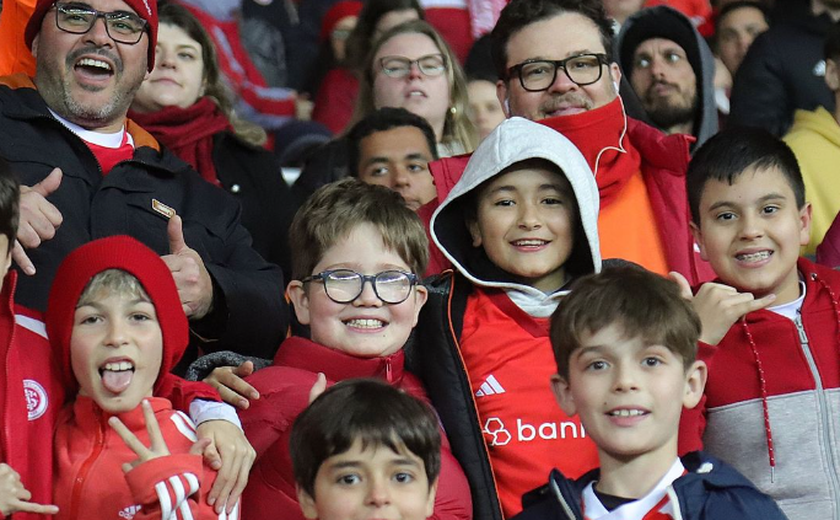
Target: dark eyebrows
762,200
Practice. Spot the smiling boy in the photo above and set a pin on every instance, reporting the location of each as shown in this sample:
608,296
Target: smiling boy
625,344
519,226
359,251
117,328
770,323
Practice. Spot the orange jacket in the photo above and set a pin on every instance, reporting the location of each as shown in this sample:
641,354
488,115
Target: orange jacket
15,56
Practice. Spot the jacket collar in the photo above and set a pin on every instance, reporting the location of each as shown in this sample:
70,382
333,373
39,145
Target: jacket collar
297,352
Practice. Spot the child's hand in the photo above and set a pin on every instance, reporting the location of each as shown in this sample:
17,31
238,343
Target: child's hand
318,388
719,306
233,389
14,497
231,454
158,446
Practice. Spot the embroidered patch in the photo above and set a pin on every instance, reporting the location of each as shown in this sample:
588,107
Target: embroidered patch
162,209
36,399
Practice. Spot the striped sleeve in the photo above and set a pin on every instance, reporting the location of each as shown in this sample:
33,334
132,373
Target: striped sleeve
167,488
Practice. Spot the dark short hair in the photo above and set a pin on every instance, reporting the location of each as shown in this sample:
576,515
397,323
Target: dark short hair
740,4
382,120
330,213
518,14
366,410
9,203
643,304
730,153
831,49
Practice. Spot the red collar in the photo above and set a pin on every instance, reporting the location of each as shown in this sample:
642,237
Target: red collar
336,365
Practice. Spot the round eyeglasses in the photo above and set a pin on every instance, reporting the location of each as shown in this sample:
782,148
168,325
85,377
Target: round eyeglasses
345,285
400,66
538,75
121,26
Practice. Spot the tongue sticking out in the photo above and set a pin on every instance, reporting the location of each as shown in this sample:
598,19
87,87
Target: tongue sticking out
116,382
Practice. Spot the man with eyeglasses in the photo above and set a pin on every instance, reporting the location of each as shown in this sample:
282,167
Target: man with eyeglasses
671,69
88,172
555,65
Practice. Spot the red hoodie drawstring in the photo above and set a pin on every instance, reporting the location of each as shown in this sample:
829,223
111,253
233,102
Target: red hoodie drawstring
768,431
763,381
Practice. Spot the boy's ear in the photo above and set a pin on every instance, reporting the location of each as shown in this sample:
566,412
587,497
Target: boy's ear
698,238
475,232
695,383
805,220
563,395
300,300
307,503
430,500
421,295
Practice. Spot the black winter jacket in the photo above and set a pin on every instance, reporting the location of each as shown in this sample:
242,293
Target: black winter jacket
711,490
783,71
250,315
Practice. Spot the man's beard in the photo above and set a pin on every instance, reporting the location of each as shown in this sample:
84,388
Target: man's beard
57,91
665,113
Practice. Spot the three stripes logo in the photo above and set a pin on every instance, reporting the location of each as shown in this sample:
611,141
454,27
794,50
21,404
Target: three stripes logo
490,386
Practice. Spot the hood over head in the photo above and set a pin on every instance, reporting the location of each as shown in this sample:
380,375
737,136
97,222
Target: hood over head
668,23
516,140
129,255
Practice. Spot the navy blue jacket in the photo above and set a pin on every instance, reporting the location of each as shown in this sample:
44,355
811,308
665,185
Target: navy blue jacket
711,490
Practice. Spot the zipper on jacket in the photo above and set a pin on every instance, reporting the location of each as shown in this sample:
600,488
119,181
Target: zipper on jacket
81,477
389,374
470,395
560,498
822,406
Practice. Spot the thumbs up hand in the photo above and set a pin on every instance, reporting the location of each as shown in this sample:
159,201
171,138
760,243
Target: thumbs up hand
39,219
195,287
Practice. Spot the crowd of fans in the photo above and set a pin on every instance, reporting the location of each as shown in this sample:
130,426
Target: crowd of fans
448,259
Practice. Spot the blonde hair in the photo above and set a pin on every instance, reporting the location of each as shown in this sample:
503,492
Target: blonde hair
458,130
112,281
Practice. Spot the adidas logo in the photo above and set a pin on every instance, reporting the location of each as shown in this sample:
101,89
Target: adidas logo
129,512
490,386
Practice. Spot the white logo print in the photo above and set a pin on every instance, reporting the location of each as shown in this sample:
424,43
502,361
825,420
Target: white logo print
490,386
498,434
819,69
36,399
129,512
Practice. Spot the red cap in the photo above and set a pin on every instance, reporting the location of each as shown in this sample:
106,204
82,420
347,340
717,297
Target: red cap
127,254
145,9
338,11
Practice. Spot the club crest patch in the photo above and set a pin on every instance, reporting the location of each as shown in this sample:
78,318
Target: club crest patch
36,399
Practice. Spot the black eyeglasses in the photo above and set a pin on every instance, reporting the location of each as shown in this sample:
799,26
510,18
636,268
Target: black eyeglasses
400,66
345,285
539,75
121,26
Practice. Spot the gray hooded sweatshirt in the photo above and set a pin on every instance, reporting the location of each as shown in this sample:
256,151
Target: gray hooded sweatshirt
513,141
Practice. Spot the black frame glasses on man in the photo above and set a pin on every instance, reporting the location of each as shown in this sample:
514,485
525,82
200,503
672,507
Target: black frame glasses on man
538,74
345,285
121,26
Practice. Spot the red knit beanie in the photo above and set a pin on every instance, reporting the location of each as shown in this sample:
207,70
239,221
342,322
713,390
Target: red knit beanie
145,9
338,11
127,254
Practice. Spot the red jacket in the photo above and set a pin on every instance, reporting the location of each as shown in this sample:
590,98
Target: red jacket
284,394
772,399
31,400
664,161
90,480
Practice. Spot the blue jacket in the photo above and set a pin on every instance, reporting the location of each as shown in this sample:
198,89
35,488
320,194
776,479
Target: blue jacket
711,490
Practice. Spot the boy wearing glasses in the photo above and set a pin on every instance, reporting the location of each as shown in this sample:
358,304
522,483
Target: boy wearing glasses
358,253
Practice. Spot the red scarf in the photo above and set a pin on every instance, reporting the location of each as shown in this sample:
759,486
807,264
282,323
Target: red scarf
591,132
188,132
